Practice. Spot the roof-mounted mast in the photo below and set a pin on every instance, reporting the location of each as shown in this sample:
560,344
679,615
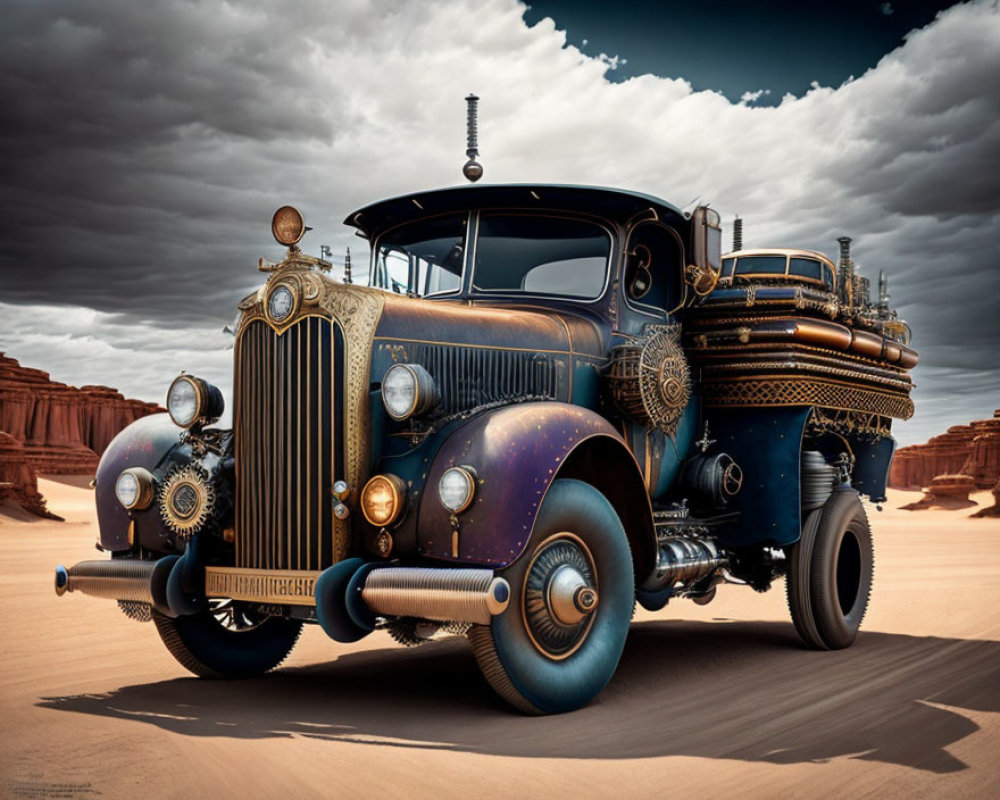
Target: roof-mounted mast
472,170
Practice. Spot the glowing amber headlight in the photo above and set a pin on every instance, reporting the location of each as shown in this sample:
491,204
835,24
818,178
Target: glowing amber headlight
288,226
382,500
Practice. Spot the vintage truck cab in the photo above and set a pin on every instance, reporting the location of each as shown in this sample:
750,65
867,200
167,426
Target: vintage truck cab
550,402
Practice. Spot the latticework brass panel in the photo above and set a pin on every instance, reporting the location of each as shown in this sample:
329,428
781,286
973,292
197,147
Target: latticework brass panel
785,391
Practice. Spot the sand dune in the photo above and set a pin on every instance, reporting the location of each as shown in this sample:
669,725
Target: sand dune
707,700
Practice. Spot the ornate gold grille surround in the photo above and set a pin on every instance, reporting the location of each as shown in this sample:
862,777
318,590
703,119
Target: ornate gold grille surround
357,310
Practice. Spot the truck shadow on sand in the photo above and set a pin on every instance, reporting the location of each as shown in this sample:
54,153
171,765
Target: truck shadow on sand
732,690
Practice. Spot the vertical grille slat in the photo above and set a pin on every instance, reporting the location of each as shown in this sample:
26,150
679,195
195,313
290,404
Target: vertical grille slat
287,444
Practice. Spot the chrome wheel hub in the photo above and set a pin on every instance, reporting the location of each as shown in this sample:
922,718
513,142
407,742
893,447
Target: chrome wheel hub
560,595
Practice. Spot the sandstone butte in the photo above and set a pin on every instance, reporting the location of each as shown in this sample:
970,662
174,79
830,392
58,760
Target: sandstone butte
972,450
51,428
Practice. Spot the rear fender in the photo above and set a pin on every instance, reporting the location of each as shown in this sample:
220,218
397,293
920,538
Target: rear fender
516,453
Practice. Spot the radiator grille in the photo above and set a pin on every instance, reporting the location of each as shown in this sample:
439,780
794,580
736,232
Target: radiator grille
287,451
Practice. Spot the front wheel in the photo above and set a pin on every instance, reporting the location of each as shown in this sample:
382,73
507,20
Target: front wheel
572,592
830,572
228,640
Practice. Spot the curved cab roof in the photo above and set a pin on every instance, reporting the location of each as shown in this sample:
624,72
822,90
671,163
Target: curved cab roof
784,252
616,205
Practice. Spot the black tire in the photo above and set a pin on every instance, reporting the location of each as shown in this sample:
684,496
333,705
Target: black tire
228,640
830,573
532,660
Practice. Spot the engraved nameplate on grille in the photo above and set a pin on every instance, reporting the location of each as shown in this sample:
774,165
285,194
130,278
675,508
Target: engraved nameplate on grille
284,587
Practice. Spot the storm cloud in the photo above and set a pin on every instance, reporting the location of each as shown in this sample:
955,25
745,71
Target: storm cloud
146,145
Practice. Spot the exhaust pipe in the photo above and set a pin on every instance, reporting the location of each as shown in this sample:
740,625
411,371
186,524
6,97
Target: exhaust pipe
119,579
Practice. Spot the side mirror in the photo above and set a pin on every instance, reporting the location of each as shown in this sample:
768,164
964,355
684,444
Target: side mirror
706,248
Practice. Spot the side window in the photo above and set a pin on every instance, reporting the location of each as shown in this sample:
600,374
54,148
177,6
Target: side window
806,268
654,272
422,258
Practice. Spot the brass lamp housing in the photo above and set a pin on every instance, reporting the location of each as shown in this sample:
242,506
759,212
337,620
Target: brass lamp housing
288,226
380,485
147,485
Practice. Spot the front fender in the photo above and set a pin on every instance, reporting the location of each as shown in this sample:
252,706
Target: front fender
516,452
147,442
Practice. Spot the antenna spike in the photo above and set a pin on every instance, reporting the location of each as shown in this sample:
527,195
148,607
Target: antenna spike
472,170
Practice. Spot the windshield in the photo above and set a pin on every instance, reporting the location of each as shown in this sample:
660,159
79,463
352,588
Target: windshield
422,258
541,255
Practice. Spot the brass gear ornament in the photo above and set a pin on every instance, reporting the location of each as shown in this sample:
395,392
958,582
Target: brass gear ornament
649,378
187,500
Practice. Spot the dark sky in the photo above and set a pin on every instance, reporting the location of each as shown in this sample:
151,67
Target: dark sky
738,46
144,147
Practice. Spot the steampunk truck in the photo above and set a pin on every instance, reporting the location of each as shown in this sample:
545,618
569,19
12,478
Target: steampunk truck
549,403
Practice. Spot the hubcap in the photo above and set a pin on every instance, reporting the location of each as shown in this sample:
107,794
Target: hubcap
560,595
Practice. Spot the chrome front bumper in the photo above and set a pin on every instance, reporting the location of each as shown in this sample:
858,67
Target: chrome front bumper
443,595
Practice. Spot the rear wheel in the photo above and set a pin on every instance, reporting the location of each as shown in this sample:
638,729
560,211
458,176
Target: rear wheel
830,572
228,640
572,594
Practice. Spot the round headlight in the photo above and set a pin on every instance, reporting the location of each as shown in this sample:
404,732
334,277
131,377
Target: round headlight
288,226
281,303
408,390
382,500
134,488
191,400
456,489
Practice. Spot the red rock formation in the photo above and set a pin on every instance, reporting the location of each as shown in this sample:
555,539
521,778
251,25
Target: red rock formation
946,491
965,449
57,428
983,463
17,479
993,510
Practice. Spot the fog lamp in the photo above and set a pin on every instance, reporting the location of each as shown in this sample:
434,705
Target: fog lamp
456,489
134,488
382,499
191,401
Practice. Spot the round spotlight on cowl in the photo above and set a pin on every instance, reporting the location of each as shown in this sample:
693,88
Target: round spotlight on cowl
288,226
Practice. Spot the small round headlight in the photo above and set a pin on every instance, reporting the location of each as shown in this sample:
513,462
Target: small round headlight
134,488
408,390
456,489
382,500
288,226
191,400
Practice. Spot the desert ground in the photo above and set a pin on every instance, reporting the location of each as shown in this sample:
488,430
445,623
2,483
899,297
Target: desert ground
708,701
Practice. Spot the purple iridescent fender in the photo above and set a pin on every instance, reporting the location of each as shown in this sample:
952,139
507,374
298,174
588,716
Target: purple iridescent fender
516,453
144,443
